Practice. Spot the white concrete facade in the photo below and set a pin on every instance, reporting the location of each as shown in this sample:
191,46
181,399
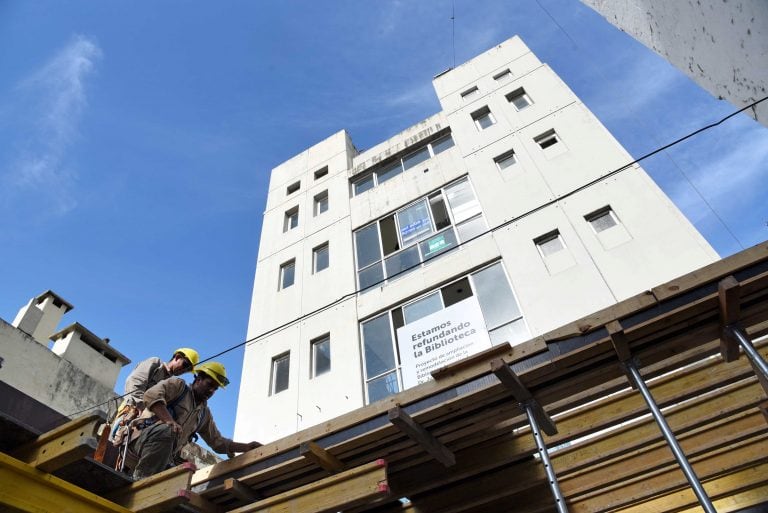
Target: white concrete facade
721,45
546,234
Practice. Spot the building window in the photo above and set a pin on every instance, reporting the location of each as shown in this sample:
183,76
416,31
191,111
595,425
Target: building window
291,219
505,160
321,172
408,161
281,366
416,233
320,258
519,98
287,274
547,139
321,355
501,313
549,243
602,219
470,93
293,188
321,203
483,118
503,76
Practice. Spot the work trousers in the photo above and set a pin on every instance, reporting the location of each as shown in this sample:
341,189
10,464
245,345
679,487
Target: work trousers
154,448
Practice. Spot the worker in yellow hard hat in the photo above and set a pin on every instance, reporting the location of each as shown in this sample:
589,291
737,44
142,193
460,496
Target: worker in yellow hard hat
146,374
175,413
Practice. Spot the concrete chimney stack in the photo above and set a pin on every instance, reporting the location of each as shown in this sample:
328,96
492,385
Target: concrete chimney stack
41,315
89,353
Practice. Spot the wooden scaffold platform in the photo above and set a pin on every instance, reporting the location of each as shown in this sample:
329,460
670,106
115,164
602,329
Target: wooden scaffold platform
658,403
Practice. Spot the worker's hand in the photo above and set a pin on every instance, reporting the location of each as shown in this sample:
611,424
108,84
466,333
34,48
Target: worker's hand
175,427
252,445
241,447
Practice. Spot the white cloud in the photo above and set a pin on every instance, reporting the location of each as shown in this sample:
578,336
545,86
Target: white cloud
55,96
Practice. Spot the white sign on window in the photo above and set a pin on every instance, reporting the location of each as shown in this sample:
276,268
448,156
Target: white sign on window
440,339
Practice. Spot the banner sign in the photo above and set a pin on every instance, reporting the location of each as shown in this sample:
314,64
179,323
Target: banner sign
440,339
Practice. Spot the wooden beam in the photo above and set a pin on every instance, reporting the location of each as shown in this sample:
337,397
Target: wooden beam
241,491
25,488
157,493
421,436
63,445
200,504
512,382
321,457
764,409
348,489
729,295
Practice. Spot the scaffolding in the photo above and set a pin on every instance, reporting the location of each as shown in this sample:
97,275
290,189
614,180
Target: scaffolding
658,403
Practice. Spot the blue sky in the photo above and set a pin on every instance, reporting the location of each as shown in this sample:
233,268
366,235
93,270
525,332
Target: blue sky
136,140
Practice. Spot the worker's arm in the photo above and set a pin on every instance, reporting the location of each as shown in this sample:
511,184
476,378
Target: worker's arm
220,444
241,447
160,410
137,381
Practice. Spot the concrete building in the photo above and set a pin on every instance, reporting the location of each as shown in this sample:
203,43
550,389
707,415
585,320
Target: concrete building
720,45
494,220
78,371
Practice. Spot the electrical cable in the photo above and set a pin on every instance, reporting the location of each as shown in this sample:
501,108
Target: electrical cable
490,230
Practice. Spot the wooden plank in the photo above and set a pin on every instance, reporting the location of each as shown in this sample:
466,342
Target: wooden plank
651,484
198,503
729,294
241,491
67,443
619,341
344,490
421,436
25,488
512,382
156,493
321,457
734,491
361,415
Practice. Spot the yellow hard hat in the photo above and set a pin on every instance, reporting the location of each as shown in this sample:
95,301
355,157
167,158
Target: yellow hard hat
215,370
189,354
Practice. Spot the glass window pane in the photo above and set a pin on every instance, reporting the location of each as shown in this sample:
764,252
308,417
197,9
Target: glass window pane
495,296
377,345
321,356
442,144
414,221
388,172
416,157
438,243
472,228
367,245
514,332
423,307
362,185
462,201
439,211
287,272
551,245
321,203
399,262
382,387
280,370
603,221
321,258
370,275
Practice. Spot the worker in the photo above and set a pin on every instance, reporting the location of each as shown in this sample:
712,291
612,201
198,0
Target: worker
146,374
175,412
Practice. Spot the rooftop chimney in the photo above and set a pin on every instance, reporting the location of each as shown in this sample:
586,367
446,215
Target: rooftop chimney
41,315
89,353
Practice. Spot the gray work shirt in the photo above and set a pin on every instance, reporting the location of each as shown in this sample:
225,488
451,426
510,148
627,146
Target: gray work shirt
146,374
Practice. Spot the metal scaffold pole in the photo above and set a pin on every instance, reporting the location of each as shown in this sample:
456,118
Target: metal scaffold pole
685,466
544,453
757,361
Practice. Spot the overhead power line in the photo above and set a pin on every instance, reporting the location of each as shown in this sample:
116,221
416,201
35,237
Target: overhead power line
490,230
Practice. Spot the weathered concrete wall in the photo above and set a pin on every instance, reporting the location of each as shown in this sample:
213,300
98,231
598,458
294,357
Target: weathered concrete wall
34,370
721,44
